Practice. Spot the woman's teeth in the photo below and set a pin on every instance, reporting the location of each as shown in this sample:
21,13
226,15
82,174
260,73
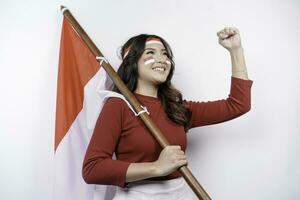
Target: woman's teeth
159,69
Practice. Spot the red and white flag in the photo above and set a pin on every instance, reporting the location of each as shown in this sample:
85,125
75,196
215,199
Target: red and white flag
83,86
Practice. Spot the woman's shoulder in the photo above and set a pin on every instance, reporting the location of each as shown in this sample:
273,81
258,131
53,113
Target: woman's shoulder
114,102
113,106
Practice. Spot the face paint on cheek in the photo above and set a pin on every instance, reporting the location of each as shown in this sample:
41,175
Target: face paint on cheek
168,61
149,61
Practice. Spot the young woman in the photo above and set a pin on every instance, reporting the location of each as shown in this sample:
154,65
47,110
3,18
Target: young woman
142,169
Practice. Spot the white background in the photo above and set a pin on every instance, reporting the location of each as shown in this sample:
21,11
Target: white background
255,156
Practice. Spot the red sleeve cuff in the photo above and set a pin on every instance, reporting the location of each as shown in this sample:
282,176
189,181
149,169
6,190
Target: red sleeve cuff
241,81
122,167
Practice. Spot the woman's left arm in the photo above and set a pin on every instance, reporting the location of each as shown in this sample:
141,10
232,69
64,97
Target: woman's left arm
213,112
238,68
230,39
239,99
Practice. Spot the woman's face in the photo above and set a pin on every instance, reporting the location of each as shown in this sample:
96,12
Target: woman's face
154,64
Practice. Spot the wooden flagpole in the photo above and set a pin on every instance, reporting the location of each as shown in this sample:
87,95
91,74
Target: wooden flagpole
188,176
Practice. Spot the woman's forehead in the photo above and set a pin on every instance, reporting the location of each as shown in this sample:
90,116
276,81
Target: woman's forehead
155,46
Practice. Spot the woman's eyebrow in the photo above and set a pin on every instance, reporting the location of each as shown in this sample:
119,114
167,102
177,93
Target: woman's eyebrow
155,49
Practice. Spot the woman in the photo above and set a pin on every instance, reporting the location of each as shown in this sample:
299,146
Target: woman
142,169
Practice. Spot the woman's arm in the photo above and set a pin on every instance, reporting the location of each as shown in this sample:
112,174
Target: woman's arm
238,69
230,39
140,171
239,99
98,165
169,160
213,112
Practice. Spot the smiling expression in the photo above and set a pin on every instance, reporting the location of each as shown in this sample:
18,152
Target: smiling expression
154,65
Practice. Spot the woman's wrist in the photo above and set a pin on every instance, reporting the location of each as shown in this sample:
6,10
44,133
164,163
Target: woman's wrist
238,69
140,171
156,171
236,50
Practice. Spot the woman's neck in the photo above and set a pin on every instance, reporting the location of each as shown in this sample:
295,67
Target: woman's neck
148,90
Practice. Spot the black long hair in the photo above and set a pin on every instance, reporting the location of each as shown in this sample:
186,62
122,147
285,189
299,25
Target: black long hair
170,97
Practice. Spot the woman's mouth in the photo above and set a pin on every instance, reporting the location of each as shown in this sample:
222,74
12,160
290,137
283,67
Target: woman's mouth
160,69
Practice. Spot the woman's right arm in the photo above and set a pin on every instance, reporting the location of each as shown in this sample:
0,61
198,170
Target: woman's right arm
170,159
98,165
140,171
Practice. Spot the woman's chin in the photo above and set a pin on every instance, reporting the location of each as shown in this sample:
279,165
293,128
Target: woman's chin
159,81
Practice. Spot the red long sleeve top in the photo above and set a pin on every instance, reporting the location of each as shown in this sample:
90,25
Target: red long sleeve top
119,130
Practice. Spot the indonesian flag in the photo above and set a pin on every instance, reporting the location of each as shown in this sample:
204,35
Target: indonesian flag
83,86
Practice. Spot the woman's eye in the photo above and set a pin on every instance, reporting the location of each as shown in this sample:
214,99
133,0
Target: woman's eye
151,52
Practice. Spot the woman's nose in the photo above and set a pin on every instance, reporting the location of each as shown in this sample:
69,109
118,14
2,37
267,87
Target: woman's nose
160,58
